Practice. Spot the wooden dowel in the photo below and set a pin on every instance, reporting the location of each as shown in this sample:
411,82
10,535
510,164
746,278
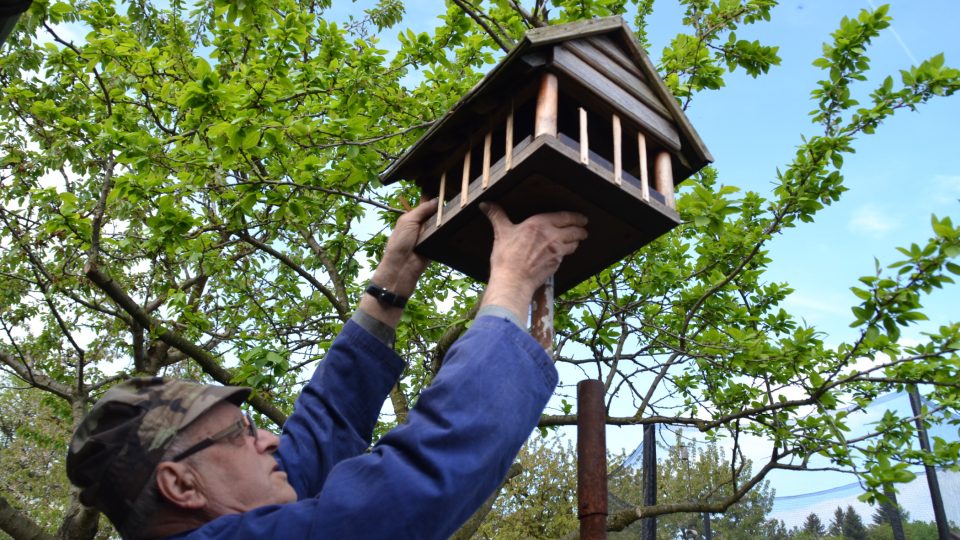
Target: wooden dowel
663,173
440,198
487,141
644,177
546,119
584,138
508,151
465,178
464,188
617,152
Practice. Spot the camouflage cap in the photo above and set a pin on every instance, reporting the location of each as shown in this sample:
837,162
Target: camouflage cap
117,446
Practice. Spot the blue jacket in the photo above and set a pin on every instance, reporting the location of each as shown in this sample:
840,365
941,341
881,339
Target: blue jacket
424,478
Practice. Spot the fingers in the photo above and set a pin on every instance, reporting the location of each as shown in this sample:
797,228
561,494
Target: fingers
400,268
566,219
422,212
570,233
498,218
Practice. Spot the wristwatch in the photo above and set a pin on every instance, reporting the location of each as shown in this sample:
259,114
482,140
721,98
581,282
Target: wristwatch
385,296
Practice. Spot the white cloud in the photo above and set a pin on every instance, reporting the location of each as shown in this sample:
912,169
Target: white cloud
872,220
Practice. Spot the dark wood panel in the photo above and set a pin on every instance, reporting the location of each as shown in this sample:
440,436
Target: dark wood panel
610,95
546,35
616,73
548,176
607,45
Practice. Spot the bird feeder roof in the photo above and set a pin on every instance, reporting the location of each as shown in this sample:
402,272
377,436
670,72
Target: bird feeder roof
533,55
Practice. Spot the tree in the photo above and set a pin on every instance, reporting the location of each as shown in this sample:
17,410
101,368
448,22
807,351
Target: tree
698,474
540,501
813,527
775,529
32,435
913,530
836,524
879,516
853,528
192,190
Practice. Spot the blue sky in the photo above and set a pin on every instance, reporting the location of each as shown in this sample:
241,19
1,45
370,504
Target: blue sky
907,171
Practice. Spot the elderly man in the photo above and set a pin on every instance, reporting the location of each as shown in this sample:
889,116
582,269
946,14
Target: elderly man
174,459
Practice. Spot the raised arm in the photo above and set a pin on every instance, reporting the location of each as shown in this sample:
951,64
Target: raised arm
337,410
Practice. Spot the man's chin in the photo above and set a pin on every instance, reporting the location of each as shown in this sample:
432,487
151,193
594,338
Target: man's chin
287,493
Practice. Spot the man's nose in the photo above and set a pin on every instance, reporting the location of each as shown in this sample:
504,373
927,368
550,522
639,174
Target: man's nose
267,441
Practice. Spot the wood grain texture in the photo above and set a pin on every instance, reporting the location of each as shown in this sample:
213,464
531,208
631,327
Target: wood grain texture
624,78
547,102
609,94
644,176
584,137
663,173
617,151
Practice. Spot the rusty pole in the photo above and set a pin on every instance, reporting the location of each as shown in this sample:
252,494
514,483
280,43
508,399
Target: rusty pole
591,460
541,317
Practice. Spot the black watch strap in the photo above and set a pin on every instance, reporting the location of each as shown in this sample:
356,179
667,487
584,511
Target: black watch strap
385,296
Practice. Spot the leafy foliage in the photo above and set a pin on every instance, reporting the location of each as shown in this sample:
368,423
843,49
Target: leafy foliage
699,475
191,189
540,502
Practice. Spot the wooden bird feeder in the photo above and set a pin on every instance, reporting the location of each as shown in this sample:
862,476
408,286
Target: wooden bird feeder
574,118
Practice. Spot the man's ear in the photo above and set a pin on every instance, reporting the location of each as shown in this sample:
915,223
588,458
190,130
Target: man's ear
179,485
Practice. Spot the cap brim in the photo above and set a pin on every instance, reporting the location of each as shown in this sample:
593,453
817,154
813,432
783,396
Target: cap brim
234,394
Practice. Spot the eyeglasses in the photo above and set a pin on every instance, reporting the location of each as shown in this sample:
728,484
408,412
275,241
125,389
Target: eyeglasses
245,423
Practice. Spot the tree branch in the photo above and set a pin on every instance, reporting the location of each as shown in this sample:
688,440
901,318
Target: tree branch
207,362
320,253
19,525
25,371
479,19
93,254
527,17
622,519
450,336
288,262
337,192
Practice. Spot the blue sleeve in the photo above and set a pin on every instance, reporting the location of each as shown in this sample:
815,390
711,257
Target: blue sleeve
426,477
335,414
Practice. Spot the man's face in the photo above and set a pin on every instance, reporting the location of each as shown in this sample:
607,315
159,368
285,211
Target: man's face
239,473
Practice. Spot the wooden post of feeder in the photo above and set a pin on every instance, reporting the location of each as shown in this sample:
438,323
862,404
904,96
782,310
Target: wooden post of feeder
644,179
545,123
664,178
591,460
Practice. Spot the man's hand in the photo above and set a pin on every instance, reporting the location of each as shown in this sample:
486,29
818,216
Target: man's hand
400,268
525,254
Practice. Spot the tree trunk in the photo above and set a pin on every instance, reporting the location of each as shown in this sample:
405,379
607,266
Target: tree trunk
80,523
